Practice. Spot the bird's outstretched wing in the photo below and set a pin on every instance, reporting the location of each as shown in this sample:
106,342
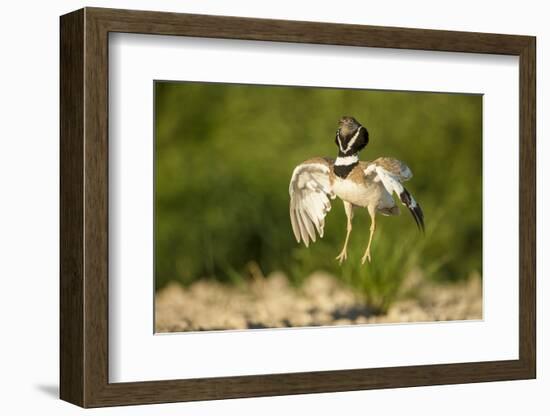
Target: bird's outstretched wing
392,172
310,191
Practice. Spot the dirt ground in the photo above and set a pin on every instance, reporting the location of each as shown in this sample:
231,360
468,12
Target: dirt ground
273,303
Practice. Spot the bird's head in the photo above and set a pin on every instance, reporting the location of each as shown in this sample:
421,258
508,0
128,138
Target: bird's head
351,136
348,125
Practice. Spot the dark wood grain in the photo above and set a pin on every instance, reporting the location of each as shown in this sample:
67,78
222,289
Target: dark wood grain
84,207
71,185
96,219
162,23
527,208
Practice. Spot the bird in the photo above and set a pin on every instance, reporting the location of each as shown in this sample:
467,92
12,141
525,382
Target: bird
359,184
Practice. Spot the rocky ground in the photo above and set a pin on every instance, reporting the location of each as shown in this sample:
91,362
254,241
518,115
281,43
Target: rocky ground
273,303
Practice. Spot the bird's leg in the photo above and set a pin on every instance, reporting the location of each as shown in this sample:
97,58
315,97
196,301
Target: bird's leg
349,214
366,256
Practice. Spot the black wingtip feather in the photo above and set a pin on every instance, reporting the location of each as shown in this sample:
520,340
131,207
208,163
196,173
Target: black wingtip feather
418,216
415,210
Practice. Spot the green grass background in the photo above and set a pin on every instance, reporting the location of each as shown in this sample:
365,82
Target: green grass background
225,154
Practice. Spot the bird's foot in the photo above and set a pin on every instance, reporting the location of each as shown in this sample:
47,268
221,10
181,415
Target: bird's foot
342,256
366,257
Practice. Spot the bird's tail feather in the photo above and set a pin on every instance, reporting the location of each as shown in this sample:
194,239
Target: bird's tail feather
413,206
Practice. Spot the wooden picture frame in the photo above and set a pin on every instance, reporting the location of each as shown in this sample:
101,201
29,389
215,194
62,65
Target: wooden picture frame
84,207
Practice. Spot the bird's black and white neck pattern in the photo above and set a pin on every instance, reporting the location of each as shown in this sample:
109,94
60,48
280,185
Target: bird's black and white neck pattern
343,164
348,151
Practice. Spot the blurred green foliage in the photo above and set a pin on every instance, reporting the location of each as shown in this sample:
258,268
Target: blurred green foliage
225,154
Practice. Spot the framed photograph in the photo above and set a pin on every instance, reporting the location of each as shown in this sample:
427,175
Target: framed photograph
254,207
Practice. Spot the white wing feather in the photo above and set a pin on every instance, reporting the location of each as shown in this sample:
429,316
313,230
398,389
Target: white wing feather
390,181
309,191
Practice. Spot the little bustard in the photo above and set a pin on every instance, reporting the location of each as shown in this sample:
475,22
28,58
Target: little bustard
370,185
